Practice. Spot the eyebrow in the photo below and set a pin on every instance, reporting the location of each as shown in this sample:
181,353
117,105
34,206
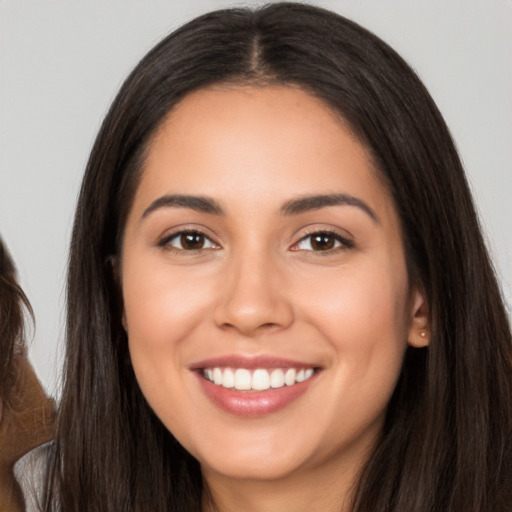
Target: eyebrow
197,203
293,207
316,202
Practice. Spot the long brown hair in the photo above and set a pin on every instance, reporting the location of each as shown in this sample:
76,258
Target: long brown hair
13,303
446,441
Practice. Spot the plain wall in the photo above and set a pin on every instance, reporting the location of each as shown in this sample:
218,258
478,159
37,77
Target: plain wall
62,62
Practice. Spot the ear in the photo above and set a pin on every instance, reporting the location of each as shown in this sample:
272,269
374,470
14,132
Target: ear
115,267
419,328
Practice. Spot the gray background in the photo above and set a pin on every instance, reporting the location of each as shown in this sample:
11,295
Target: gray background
61,63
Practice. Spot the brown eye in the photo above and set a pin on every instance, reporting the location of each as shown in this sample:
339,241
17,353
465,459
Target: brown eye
192,241
188,241
323,241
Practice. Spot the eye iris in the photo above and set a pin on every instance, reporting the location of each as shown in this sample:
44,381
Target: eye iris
192,241
322,242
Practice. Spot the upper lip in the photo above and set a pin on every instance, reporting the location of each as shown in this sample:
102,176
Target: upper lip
250,362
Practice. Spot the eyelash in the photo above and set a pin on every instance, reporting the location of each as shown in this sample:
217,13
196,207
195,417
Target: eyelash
166,241
336,238
344,243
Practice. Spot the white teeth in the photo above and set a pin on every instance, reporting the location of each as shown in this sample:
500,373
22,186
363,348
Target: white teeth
259,379
217,376
289,378
228,379
243,380
277,378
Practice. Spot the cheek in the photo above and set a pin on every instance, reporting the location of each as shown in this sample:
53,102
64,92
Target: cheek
161,311
361,314
161,307
358,302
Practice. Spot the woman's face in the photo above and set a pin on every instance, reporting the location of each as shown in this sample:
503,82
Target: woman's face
266,297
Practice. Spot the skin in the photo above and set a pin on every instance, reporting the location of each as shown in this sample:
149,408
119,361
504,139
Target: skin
259,287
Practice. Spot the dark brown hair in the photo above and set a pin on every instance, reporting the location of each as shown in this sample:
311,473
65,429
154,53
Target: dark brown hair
12,304
446,441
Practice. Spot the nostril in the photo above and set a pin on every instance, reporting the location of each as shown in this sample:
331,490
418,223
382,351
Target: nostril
248,329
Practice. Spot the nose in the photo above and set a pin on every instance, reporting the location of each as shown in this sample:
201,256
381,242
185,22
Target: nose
253,298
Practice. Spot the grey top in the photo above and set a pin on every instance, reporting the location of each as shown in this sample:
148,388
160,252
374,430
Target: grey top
29,472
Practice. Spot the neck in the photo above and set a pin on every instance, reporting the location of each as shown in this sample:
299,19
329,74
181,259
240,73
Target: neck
23,426
28,421
11,498
326,489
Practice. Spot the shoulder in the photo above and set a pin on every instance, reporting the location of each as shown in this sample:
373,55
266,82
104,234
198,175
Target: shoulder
30,473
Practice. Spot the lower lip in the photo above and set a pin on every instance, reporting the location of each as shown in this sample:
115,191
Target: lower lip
253,404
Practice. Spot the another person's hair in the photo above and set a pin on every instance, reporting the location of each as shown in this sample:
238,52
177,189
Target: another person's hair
447,437
13,304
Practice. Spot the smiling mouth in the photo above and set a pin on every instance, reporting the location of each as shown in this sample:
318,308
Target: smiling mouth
257,379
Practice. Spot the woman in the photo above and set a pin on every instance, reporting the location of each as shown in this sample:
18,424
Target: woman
26,414
279,296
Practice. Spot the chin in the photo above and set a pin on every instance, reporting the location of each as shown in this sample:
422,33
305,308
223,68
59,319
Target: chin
260,456
254,469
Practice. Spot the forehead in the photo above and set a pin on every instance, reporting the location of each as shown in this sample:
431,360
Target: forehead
286,111
237,142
